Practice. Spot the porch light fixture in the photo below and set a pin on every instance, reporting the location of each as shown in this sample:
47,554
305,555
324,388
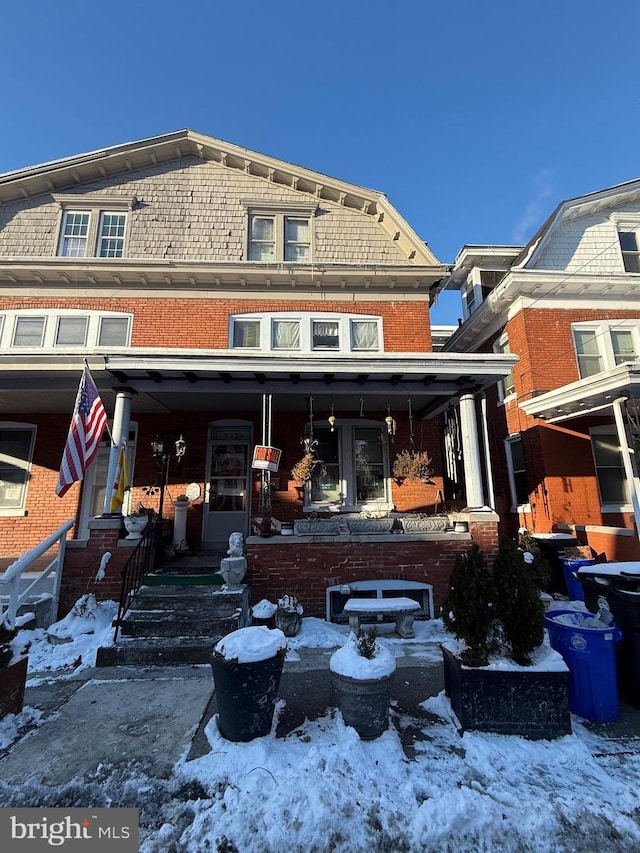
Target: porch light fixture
332,420
163,461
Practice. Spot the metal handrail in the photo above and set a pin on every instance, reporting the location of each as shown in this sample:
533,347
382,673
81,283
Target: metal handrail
12,575
140,563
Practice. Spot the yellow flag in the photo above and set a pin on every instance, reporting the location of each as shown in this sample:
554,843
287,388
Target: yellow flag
121,482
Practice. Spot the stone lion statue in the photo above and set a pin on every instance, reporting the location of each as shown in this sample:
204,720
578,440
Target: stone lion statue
236,545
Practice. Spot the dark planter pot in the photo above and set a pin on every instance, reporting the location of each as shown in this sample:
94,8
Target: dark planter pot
515,702
364,704
13,679
246,695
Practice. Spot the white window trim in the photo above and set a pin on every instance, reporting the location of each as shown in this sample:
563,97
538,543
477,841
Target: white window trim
348,503
17,512
8,325
95,204
623,222
306,318
602,330
626,506
498,349
279,211
508,442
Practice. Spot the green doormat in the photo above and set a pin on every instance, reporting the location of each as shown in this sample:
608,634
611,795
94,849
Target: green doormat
183,580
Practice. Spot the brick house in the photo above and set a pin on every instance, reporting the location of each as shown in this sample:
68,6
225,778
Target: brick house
234,300
565,422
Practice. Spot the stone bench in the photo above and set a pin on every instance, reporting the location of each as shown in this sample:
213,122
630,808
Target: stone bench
363,609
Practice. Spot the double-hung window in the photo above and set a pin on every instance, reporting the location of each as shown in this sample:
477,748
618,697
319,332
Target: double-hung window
306,332
607,459
629,245
279,232
506,386
356,467
93,225
16,451
601,346
517,473
63,328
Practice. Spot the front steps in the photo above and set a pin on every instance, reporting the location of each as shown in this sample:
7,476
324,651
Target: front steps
176,624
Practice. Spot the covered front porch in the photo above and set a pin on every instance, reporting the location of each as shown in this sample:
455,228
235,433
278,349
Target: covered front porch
362,410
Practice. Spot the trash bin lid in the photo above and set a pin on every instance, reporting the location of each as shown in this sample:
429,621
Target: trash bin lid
630,569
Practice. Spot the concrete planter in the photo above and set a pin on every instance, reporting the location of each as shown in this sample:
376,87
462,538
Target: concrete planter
363,703
518,702
312,527
424,525
370,525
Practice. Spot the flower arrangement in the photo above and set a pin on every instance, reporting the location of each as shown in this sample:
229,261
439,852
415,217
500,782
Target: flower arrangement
307,467
414,466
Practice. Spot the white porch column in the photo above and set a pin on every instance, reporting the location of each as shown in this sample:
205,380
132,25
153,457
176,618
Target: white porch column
471,452
120,430
629,462
487,454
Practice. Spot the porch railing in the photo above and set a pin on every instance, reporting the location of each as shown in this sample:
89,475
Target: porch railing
140,563
12,597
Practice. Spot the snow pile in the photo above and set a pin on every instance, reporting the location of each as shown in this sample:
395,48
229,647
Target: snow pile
348,662
76,638
248,645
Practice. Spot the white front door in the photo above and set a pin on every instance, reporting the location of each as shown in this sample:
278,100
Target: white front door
228,483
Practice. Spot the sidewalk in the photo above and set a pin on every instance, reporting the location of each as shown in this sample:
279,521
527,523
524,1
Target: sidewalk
150,717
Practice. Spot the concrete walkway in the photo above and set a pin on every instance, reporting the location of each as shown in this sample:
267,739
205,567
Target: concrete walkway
149,717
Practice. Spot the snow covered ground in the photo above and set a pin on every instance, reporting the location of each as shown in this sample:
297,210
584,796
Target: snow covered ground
322,789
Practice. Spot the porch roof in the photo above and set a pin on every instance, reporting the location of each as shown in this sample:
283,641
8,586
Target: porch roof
199,380
587,396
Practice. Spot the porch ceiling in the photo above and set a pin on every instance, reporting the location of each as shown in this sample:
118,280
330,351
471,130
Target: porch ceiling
586,396
223,382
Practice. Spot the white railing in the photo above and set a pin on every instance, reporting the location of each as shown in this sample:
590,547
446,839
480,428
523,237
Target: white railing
12,597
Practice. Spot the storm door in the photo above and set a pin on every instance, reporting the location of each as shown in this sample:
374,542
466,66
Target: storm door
228,484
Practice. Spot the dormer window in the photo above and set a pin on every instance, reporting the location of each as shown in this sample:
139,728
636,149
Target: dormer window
630,250
280,232
93,225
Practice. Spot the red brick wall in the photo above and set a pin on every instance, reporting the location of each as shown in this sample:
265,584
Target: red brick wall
82,564
204,323
306,569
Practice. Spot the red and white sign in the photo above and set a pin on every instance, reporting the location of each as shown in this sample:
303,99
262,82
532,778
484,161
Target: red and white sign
266,458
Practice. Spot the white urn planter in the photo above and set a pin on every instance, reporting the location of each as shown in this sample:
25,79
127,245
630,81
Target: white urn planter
135,525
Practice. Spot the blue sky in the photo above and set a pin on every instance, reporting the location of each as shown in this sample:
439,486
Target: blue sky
475,118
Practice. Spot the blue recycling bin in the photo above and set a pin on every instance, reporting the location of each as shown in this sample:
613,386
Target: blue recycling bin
574,586
590,655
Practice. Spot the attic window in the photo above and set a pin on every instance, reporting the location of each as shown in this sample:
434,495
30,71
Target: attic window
93,225
279,232
630,250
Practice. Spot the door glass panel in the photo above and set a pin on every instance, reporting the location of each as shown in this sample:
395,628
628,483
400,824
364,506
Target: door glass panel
228,481
369,465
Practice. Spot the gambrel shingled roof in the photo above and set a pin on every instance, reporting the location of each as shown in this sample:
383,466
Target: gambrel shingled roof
70,172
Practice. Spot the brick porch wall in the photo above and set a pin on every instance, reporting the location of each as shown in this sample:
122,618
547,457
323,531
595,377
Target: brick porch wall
82,560
306,568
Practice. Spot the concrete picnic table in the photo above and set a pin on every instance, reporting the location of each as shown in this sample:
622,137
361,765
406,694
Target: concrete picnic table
404,609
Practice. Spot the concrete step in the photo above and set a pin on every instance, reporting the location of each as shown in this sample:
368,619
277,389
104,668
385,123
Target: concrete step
147,651
190,597
179,623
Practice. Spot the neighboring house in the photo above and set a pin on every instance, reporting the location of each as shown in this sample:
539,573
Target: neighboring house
235,300
563,425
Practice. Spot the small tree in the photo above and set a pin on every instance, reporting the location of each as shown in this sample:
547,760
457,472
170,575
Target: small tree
539,567
518,604
468,610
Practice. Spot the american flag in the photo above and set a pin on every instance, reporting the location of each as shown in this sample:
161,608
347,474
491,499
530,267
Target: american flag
87,425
